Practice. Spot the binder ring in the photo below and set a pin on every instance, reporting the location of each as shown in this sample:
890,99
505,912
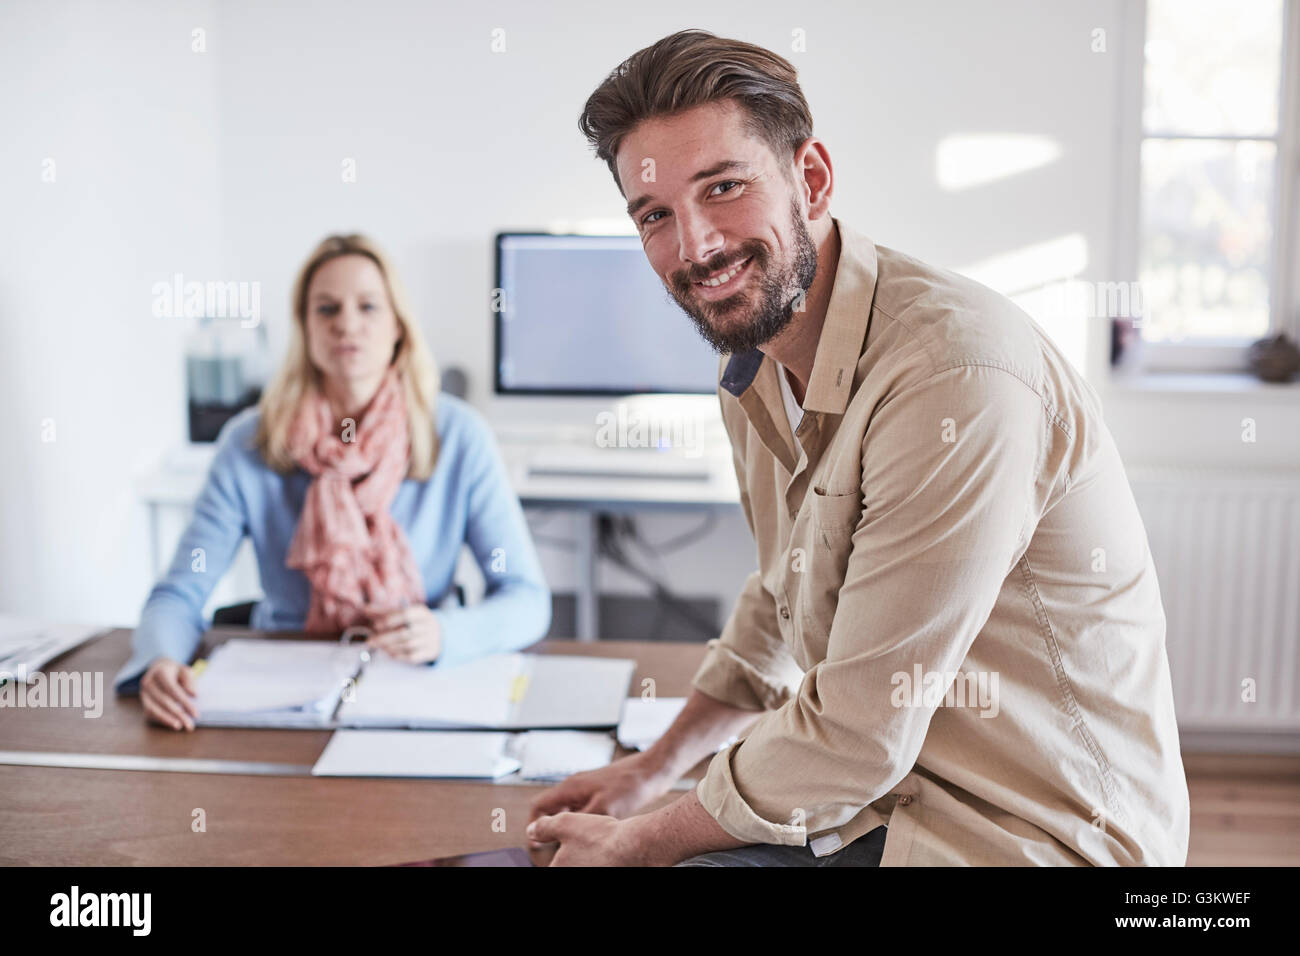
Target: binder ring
357,630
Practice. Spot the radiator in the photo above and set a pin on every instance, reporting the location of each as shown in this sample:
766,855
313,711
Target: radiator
1226,546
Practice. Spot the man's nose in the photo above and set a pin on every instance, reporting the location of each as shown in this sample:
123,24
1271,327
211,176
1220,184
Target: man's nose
698,239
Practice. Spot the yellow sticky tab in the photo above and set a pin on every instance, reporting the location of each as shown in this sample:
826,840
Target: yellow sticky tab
517,688
198,666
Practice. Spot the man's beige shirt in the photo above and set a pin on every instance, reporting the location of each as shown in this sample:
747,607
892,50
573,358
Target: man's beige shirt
955,627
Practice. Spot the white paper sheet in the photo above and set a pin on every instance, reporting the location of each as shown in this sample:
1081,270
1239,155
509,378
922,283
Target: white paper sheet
251,676
556,754
27,644
644,721
393,693
415,753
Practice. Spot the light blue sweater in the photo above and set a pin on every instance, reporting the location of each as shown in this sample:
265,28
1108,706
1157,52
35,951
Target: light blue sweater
467,500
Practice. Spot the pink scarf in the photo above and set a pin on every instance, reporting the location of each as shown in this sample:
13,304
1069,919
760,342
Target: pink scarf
347,542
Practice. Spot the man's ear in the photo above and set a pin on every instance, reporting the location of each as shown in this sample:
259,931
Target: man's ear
814,177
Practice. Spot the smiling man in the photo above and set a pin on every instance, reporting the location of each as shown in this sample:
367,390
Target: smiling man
954,641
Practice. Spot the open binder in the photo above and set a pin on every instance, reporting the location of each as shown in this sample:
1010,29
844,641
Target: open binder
256,682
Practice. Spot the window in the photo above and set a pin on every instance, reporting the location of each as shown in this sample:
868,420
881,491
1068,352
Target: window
1212,228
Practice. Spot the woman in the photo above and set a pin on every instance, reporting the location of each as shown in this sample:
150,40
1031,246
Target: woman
358,484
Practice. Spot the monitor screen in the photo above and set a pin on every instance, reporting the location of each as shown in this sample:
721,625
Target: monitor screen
587,315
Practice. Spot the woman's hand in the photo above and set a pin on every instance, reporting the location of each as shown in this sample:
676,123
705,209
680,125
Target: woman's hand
412,634
167,691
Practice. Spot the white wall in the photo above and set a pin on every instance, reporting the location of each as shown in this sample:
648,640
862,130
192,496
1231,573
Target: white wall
112,94
230,161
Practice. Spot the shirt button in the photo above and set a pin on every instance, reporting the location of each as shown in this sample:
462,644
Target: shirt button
785,613
904,800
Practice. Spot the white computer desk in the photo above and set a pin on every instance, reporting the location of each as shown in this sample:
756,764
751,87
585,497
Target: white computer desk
597,496
176,482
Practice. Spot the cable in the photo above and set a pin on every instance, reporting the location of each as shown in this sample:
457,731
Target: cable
564,544
610,547
682,540
542,518
656,551
629,527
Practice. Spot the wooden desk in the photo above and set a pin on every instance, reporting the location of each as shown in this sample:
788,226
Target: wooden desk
54,816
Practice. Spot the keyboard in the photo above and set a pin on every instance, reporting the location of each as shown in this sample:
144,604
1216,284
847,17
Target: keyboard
618,463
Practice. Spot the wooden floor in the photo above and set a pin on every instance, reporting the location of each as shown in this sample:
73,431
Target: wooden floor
1245,810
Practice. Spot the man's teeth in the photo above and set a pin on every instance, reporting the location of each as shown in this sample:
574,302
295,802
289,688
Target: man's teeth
726,276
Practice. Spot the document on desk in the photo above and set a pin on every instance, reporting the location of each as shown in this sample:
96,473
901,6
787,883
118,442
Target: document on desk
447,754
500,692
251,682
645,721
393,693
27,644
556,754
259,682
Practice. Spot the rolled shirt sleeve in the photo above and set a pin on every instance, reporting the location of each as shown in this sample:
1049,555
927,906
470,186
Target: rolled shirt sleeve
949,468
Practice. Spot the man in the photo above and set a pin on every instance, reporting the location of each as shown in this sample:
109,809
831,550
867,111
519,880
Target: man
954,637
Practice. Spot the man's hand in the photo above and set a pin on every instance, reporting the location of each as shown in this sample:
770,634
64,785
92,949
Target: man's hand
618,790
589,839
661,838
411,634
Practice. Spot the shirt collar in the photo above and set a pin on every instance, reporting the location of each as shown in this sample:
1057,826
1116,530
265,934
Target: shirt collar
840,344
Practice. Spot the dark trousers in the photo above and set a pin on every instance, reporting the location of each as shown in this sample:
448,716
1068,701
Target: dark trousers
864,851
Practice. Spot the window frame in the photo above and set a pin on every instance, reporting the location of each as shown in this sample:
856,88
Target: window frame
1211,354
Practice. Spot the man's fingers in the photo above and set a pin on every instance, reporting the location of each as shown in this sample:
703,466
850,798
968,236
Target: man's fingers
555,800
187,681
547,829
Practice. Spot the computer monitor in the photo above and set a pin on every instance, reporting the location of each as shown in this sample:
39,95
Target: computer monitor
586,315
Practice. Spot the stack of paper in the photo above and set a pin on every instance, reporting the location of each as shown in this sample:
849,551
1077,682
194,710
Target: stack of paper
419,753
500,692
252,682
537,754
644,721
393,693
291,683
556,754
569,691
28,644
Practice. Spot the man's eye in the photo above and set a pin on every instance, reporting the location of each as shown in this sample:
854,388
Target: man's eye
730,183
651,217
326,309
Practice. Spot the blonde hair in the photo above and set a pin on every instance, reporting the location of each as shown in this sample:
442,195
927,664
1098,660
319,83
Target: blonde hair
298,377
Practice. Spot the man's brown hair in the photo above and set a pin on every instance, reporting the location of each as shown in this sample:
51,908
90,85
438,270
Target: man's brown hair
691,68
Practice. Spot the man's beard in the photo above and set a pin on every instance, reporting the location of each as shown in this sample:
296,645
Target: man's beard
777,294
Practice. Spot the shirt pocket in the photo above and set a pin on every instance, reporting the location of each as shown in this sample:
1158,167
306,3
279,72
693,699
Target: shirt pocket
826,545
